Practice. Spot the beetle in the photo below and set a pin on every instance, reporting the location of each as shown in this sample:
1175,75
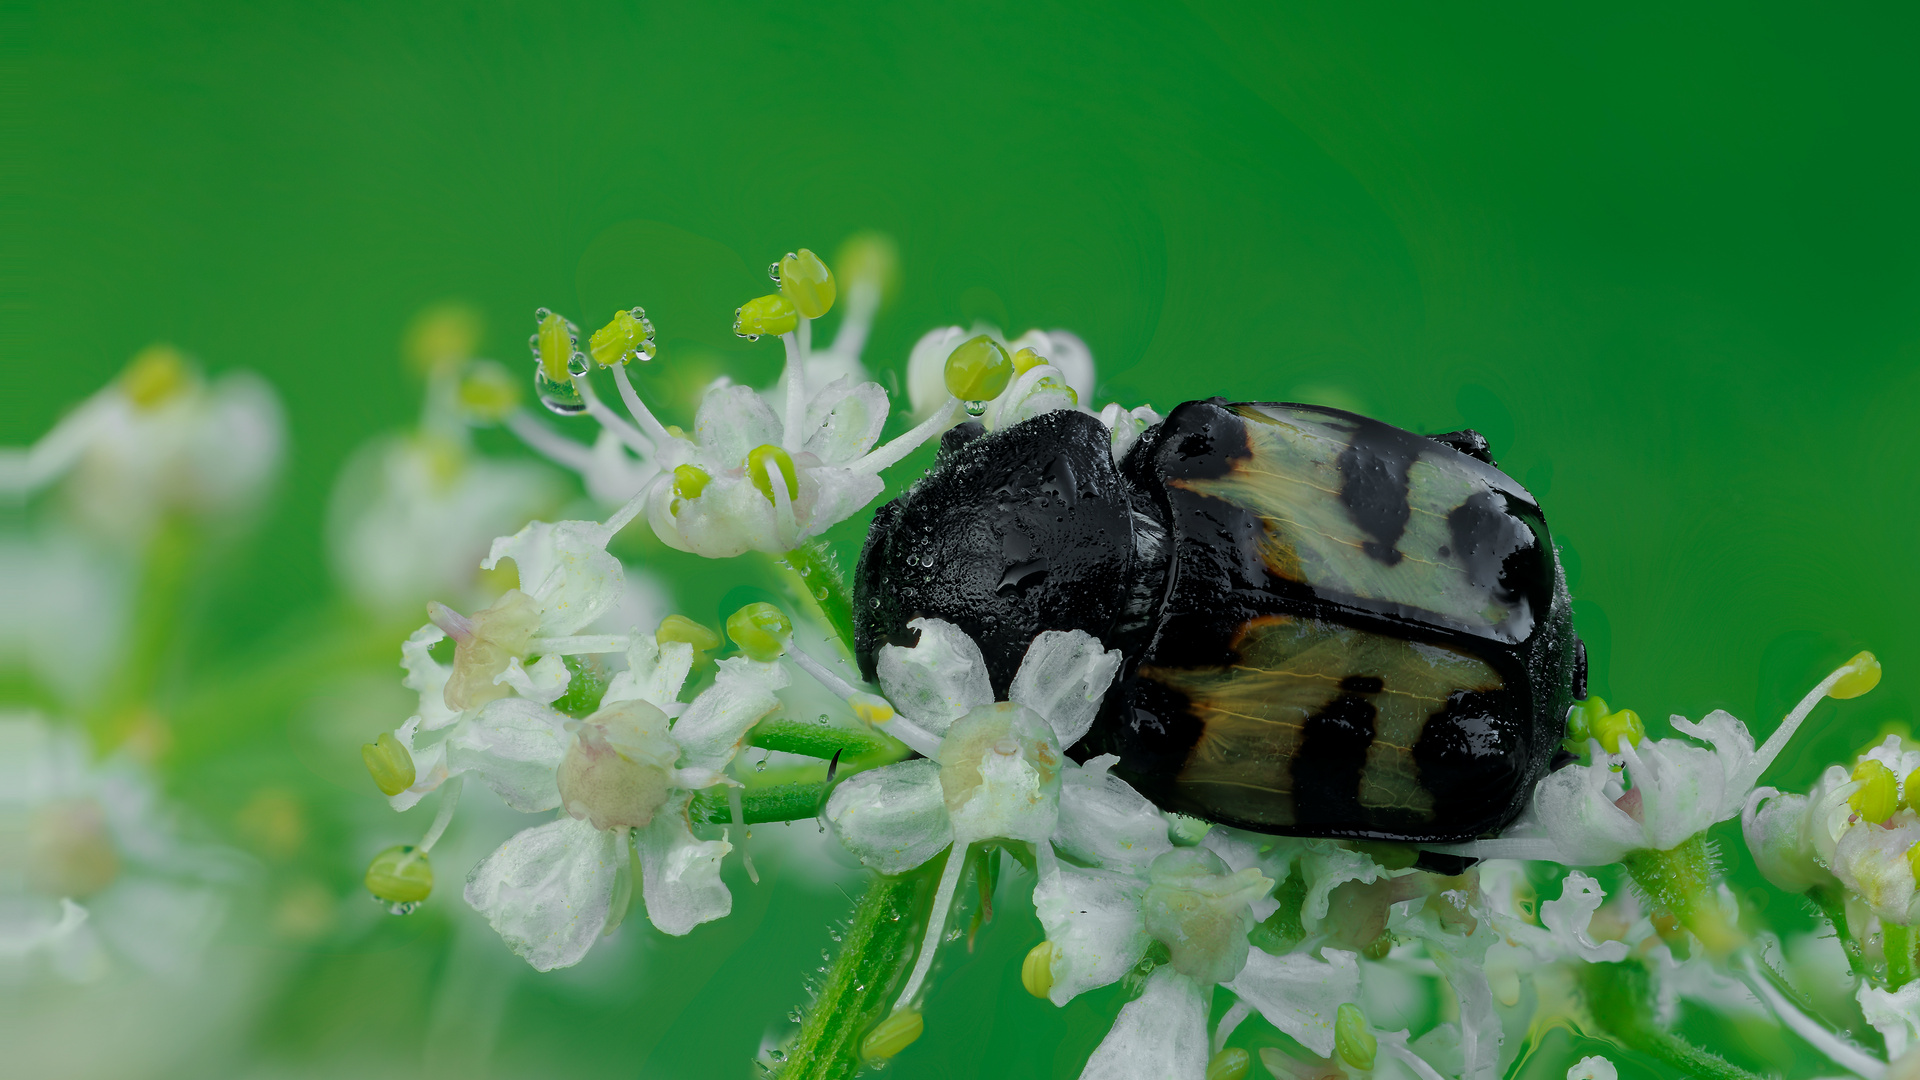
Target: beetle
1329,626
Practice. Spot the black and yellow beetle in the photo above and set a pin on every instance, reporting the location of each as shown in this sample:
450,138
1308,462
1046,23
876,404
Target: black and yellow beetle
1331,626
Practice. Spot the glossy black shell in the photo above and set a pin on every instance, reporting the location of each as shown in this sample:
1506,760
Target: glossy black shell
1330,626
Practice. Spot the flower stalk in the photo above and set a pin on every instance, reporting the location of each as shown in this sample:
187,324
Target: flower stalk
1680,879
1624,1002
853,993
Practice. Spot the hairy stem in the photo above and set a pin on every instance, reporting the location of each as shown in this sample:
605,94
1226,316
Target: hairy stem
1681,880
817,740
1622,999
775,802
853,993
817,574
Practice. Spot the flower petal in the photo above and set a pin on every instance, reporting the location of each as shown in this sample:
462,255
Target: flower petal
1093,919
894,818
680,875
1583,823
1160,1036
427,677
927,368
547,890
936,681
729,518
844,420
514,746
732,420
655,673
544,682
565,566
1065,350
1568,918
832,495
712,728
1894,1014
1064,677
1104,821
1299,994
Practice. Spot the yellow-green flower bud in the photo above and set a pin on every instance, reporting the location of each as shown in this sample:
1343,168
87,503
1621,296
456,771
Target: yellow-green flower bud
1232,1063
389,763
441,335
1036,971
1913,862
689,481
155,374
761,463
806,281
1879,794
1582,719
630,334
979,370
1025,359
1910,791
1616,727
400,875
556,347
681,628
1863,676
869,257
487,392
770,314
761,630
1352,1040
892,1035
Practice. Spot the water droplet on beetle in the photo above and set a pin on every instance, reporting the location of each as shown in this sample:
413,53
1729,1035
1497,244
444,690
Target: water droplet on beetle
976,408
559,397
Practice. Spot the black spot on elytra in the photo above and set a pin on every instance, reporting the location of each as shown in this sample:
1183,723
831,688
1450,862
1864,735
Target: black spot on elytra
1373,486
1327,767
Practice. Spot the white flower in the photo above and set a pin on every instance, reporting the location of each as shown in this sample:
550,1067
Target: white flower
1793,837
624,774
1895,1014
1594,1067
91,873
809,480
159,439
1585,815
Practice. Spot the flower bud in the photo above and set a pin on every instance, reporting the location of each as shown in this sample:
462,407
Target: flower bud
484,647
630,334
1000,774
1863,674
689,481
1352,1039
389,764
441,335
69,849
770,314
1036,971
1233,1063
400,875
156,374
892,1035
761,630
1879,793
869,258
487,392
761,463
555,341
806,281
978,370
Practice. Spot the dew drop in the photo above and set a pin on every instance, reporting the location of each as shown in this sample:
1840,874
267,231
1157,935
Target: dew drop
777,1055
559,397
646,350
820,594
823,718
773,271
976,408
795,1016
404,909
540,314
760,766
577,365
751,337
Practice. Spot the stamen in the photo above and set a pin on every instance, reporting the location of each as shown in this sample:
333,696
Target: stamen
936,925
452,623
613,421
915,737
786,525
1228,1023
580,643
740,819
562,452
791,436
1412,1061
641,414
1778,740
863,299
903,445
444,814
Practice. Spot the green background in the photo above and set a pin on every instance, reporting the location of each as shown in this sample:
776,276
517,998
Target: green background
1665,259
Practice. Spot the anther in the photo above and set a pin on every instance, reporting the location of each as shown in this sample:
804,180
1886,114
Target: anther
761,630
389,763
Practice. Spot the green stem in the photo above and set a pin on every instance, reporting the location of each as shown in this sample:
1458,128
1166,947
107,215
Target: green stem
853,995
817,574
1897,941
1833,905
154,635
1681,880
1623,1002
817,740
775,802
